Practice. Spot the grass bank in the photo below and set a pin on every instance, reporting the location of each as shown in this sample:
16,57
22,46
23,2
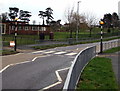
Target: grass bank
112,50
98,74
7,52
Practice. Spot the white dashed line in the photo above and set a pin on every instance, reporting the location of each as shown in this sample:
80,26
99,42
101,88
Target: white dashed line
71,54
37,52
49,52
59,53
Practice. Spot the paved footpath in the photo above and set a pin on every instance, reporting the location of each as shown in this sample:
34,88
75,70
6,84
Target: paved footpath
115,63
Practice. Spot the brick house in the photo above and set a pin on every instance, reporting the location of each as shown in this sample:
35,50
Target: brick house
25,28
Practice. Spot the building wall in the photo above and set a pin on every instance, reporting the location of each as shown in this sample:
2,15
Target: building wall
26,28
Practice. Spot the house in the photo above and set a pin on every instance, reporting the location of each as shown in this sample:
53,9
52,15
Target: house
24,28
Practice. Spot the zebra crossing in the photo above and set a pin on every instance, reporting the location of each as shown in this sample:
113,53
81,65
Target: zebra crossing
68,53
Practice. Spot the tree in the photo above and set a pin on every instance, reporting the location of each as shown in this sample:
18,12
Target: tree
24,15
34,22
90,21
42,15
4,17
68,16
115,19
55,25
49,16
13,12
108,21
75,20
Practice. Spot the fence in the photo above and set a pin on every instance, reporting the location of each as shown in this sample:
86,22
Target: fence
111,44
76,68
81,61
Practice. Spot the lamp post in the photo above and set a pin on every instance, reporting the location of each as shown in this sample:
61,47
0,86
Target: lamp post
101,44
77,20
15,47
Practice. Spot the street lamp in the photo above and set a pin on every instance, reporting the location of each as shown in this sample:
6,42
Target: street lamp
101,44
77,20
15,47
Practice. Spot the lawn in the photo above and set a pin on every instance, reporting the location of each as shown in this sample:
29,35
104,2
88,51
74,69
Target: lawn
112,50
99,75
7,52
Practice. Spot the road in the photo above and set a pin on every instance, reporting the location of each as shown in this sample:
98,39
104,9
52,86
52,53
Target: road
45,70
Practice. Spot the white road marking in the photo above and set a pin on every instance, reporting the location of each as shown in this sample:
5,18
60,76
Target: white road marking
21,63
49,52
58,77
4,68
12,55
59,53
70,54
34,58
37,51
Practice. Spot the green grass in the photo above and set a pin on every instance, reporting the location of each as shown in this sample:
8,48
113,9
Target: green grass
112,50
8,52
98,74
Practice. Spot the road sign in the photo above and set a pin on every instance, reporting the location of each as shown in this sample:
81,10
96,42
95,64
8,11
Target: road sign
12,43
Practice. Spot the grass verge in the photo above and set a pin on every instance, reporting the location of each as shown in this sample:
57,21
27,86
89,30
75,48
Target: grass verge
98,75
8,52
60,45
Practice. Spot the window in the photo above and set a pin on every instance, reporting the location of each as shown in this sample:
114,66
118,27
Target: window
19,27
39,28
12,27
43,28
26,28
34,28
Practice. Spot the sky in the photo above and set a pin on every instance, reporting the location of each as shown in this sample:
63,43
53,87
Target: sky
96,7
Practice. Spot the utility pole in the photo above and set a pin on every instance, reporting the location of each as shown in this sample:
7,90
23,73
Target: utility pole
77,20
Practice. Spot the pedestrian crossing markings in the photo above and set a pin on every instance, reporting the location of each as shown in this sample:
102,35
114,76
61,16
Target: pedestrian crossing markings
56,52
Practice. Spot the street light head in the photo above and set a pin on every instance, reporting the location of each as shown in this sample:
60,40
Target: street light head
101,22
16,19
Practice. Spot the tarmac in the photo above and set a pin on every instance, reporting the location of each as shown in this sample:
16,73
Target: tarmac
24,56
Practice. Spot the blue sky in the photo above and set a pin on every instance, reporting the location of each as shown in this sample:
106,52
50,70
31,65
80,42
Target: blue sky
96,7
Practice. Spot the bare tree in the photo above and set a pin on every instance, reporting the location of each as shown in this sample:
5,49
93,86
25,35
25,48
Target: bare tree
69,19
34,22
74,20
91,20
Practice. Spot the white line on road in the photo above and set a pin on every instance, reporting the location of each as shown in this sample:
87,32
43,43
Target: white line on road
21,63
58,77
49,52
71,54
59,53
37,51
34,58
12,55
4,68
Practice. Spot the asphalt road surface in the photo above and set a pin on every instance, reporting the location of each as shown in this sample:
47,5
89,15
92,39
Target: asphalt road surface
46,71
